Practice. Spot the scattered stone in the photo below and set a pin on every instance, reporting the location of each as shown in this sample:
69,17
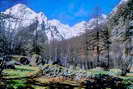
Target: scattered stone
103,82
58,71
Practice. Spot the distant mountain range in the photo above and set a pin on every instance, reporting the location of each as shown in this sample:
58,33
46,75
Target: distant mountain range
53,29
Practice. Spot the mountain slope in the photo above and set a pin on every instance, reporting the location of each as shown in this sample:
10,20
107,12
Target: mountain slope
51,29
121,25
67,31
121,17
27,17
76,30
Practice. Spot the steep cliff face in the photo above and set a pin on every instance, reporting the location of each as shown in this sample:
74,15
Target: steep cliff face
122,16
25,21
24,28
121,23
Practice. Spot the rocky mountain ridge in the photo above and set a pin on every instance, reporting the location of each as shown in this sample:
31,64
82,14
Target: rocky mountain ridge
54,29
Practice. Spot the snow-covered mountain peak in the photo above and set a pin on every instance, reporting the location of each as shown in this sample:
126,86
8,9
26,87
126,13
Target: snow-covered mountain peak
55,22
124,0
63,29
53,28
120,3
26,15
92,22
20,9
79,26
41,17
19,6
24,12
76,30
104,16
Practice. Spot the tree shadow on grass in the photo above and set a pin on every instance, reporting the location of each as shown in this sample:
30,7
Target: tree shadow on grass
52,85
100,82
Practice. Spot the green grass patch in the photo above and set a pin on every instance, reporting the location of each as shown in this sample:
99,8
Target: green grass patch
16,84
112,72
21,71
40,87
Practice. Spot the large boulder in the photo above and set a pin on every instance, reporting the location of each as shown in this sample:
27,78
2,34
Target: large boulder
24,61
36,60
8,62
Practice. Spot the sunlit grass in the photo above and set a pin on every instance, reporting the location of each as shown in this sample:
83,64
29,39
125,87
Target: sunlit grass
17,83
113,72
21,71
20,76
40,87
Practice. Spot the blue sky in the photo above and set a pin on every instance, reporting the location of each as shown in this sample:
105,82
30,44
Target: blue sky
67,11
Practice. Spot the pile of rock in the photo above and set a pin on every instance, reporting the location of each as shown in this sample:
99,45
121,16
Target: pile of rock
104,81
91,81
59,71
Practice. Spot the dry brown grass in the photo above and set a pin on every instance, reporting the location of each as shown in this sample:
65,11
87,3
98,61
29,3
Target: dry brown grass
44,79
64,80
130,75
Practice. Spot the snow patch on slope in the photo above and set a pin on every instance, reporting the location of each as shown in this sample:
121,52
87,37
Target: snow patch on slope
54,29
116,8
